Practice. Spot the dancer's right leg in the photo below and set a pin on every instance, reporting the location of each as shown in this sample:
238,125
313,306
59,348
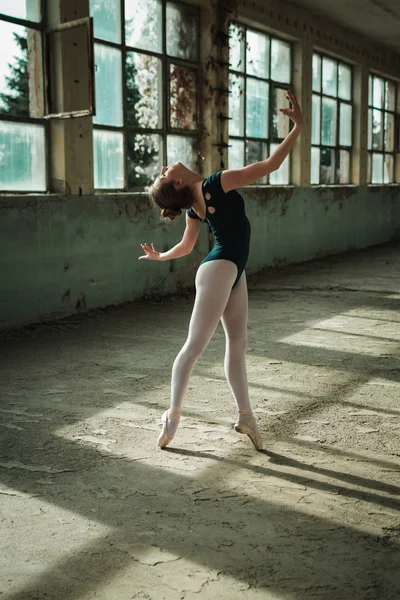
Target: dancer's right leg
214,281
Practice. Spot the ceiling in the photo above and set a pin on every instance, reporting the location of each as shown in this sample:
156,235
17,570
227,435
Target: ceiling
377,19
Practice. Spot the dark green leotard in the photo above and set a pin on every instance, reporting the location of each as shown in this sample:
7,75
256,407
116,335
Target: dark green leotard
229,224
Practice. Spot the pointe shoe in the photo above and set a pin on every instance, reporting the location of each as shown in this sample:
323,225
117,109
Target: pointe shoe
250,428
166,436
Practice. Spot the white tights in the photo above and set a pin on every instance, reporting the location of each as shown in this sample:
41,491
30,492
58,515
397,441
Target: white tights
215,300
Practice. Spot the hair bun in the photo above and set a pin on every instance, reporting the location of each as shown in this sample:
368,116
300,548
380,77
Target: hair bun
171,213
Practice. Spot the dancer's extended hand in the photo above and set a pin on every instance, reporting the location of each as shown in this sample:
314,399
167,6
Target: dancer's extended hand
293,113
151,252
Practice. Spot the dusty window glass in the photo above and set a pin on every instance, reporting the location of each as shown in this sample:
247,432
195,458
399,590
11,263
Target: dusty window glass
21,9
257,54
107,19
280,123
108,77
143,24
315,164
316,73
390,95
388,169
377,130
143,90
143,159
22,157
381,129
329,76
182,32
108,159
328,130
184,149
256,151
377,168
389,132
344,82
345,124
236,47
257,108
327,166
14,73
280,61
316,120
236,104
236,154
378,92
281,176
343,175
183,109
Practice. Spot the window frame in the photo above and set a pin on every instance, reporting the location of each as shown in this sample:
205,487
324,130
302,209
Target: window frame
166,61
272,86
40,27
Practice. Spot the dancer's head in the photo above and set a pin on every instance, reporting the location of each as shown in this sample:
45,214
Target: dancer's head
171,192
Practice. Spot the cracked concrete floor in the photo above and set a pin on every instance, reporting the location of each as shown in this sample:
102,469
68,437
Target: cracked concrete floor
91,509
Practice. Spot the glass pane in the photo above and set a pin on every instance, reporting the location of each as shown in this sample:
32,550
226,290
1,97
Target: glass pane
280,61
108,159
183,149
257,54
370,129
257,108
390,96
329,111
370,83
379,92
369,175
22,157
256,151
343,174
388,170
377,130
280,123
377,168
144,159
281,176
236,105
316,73
329,76
183,109
108,70
315,161
182,31
143,90
143,24
14,78
344,82
345,137
21,9
236,154
236,47
107,19
316,120
327,166
389,132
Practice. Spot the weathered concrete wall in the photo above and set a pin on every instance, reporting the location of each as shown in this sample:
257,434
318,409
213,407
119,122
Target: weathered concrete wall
59,255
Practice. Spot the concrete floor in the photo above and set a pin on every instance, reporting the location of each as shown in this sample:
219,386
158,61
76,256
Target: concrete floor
91,509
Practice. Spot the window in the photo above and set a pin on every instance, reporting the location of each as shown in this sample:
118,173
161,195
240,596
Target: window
22,127
259,76
382,96
332,117
147,78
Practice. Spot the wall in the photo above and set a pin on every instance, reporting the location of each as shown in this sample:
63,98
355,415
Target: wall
62,255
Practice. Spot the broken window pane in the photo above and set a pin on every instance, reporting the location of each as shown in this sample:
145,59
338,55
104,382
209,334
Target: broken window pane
182,31
143,24
388,170
257,108
316,73
281,176
344,82
329,76
256,151
236,47
257,54
280,61
345,124
390,96
14,78
107,19
379,92
377,130
183,149
144,159
108,77
280,123
316,120
22,157
236,154
329,110
236,105
143,90
183,109
389,132
108,159
327,166
21,9
343,175
377,168
315,162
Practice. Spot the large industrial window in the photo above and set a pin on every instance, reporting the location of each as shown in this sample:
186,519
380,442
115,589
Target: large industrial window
22,127
381,130
260,74
332,118
147,68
